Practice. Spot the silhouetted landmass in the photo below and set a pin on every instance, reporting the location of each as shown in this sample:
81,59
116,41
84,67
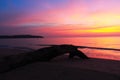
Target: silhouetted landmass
19,36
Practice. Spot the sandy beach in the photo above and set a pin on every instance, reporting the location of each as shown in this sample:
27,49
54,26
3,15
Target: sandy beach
10,51
61,68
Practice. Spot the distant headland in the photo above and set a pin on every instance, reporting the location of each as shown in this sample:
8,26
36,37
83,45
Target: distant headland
19,36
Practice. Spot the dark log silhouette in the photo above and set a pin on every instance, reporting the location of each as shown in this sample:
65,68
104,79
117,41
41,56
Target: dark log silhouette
82,47
44,54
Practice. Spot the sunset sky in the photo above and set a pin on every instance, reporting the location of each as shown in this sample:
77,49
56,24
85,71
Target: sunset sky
60,17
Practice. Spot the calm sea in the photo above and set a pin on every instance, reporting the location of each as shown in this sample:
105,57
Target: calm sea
106,42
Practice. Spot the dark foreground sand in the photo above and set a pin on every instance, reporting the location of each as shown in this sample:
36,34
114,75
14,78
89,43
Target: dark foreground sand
61,68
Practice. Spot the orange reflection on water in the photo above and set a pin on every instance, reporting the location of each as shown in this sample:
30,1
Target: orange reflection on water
105,42
105,54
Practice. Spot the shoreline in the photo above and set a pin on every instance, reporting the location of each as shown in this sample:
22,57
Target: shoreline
63,68
6,51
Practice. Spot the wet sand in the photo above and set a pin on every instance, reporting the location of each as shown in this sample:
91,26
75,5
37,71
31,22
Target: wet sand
10,51
61,68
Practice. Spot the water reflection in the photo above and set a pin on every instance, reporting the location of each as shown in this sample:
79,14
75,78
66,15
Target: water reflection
108,42
105,54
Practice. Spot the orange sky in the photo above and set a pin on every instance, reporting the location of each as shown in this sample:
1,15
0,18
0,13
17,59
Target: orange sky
63,17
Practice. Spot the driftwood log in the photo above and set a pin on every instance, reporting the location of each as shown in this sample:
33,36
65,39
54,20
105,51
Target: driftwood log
44,54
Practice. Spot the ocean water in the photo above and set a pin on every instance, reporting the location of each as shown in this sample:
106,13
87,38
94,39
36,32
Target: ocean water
105,42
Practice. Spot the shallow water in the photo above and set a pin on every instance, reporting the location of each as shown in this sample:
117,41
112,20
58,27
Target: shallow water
106,42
